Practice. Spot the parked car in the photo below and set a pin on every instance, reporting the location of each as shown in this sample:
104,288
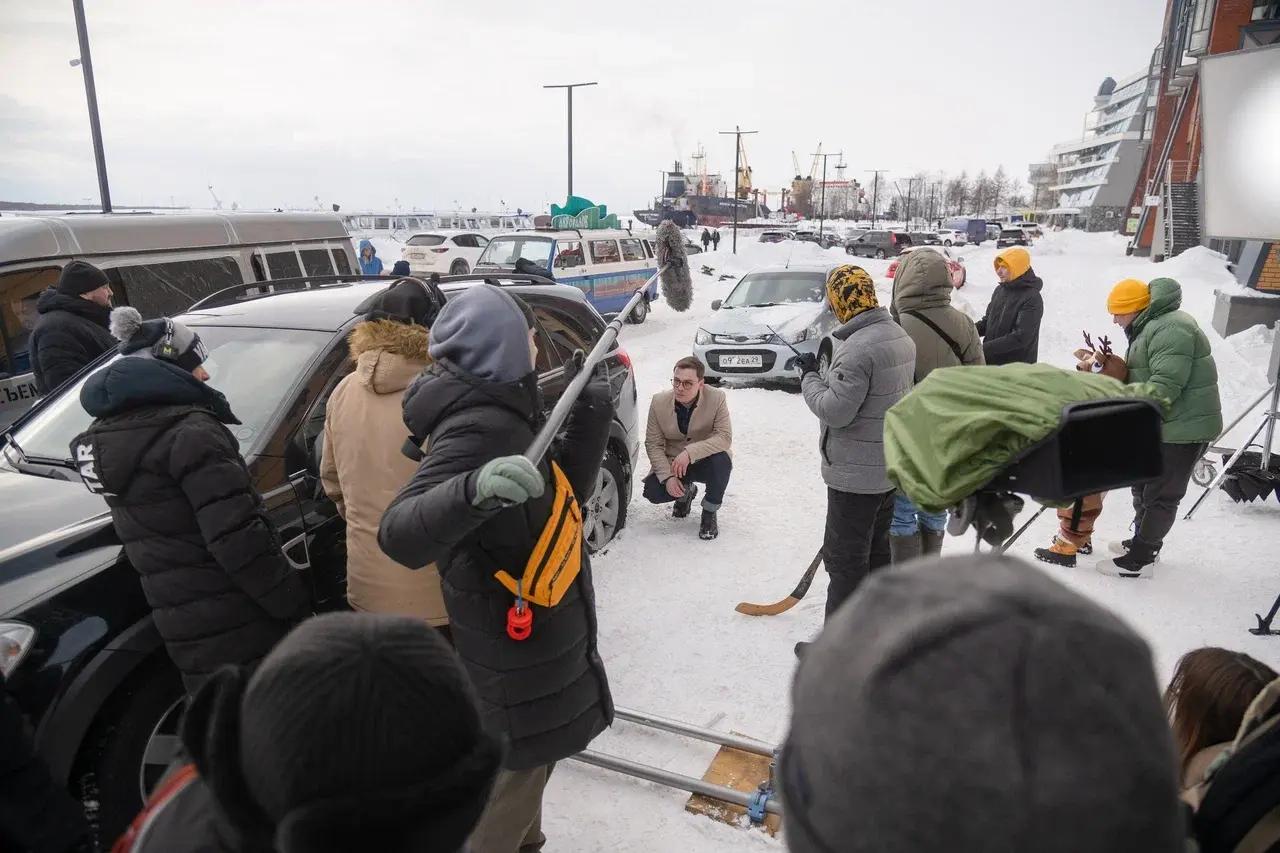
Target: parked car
772,313
879,244
830,240
776,236
951,237
1031,228
955,263
444,253
607,265
81,653
975,230
993,230
157,264
1012,237
925,238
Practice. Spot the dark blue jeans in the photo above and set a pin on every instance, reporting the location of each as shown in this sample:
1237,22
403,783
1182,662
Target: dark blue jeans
713,471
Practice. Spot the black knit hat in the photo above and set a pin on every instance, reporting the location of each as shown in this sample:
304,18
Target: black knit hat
80,277
406,301
357,732
401,268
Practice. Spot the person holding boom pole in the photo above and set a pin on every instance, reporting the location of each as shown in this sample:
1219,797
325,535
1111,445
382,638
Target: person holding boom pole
496,504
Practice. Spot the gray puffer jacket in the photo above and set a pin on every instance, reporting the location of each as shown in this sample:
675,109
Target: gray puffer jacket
872,368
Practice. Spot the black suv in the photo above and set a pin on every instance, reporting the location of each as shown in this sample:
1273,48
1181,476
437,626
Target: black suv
1012,237
879,244
79,649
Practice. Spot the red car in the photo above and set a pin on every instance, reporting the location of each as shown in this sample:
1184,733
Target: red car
955,263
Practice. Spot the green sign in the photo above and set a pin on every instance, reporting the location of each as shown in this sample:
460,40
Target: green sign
582,214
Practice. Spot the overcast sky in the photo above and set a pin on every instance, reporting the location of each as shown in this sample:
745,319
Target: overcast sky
437,104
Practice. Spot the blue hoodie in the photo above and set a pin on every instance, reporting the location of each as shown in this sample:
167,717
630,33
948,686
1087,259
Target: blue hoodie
373,266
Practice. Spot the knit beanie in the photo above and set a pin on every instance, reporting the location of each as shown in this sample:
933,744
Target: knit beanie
80,277
485,331
970,705
851,291
403,302
165,339
1128,296
357,732
1016,259
401,268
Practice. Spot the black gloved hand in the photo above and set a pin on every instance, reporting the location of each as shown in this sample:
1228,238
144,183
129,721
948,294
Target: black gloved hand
573,364
807,363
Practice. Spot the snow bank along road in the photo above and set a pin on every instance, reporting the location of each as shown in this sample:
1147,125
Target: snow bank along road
672,642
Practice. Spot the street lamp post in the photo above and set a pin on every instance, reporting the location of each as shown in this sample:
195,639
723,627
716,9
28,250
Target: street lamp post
569,87
91,95
737,133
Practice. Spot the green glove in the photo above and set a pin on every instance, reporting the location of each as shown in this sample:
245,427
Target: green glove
507,480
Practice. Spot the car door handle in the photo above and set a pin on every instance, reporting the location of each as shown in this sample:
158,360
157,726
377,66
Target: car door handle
297,542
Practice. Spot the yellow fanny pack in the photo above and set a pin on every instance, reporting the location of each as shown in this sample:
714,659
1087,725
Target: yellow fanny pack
557,557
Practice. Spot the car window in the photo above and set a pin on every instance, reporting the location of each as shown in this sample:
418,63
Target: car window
631,250
340,262
777,288
648,248
605,252
19,292
283,264
425,240
504,251
254,368
480,241
569,254
568,329
173,287
316,262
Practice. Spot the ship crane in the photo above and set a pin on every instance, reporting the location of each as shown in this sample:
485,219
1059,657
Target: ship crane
795,162
217,202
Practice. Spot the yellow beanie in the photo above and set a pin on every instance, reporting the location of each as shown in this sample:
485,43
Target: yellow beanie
1016,258
1128,297
851,291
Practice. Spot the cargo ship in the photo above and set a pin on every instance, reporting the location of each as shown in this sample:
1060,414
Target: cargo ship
702,198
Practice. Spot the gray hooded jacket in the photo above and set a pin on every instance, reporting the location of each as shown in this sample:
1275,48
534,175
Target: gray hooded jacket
872,368
922,289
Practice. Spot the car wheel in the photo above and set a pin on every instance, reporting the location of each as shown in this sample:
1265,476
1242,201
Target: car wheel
714,381
459,268
607,510
129,747
880,254
640,312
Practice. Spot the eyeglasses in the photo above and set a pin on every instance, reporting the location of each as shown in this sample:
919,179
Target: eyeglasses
685,384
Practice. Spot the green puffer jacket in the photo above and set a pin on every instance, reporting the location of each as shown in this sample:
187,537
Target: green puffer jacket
1168,350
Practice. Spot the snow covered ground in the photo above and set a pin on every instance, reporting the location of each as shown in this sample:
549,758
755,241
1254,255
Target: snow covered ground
671,640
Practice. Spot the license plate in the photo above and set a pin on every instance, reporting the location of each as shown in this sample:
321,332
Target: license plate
742,361
417,256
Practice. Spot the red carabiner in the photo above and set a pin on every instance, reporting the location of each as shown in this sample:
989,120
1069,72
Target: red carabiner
519,621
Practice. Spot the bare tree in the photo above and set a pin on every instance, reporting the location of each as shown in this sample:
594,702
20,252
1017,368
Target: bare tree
959,190
981,193
999,188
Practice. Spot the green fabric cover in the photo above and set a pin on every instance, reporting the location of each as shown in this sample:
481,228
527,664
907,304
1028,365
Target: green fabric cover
962,426
1170,351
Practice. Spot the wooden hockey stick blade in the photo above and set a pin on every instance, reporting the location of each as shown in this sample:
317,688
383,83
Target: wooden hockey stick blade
790,601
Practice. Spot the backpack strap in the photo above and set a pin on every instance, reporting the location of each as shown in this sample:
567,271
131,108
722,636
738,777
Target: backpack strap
169,789
947,339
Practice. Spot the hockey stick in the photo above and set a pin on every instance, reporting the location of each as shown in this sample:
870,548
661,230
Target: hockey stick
791,600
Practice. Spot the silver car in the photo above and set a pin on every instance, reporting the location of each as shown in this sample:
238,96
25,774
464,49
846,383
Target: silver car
772,313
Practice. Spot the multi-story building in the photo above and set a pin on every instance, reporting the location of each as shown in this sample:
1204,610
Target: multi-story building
1166,200
1042,176
1096,173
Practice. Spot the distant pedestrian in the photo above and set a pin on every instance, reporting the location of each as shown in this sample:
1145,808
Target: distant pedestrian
362,467
1010,328
358,732
972,704
72,330
715,240
183,503
1168,350
871,369
370,263
706,239
944,337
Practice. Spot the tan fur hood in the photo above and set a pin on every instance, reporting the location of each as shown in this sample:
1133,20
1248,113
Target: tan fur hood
389,355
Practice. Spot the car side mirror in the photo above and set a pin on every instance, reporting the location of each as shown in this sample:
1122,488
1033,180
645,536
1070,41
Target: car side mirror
715,306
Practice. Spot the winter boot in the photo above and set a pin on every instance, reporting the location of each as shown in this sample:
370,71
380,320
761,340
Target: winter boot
903,549
681,508
1136,563
1060,553
708,530
1123,548
1086,549
932,542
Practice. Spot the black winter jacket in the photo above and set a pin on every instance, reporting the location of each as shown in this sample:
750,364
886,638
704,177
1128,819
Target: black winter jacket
70,334
548,694
1011,327
186,510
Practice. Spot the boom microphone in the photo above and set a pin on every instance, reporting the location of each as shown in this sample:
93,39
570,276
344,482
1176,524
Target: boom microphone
677,284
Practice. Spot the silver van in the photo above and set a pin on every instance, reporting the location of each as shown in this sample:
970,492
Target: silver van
159,263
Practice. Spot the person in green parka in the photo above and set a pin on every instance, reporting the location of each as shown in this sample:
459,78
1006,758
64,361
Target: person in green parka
1168,350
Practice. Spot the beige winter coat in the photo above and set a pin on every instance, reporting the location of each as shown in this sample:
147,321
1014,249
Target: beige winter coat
362,468
710,431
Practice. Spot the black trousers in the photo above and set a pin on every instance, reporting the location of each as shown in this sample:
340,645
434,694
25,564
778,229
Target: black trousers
1155,505
856,541
712,471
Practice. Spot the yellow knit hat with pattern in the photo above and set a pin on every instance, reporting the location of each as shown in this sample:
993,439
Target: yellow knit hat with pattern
851,291
1128,297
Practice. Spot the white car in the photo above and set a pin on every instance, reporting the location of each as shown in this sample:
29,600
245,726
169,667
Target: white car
953,238
443,252
773,313
1032,229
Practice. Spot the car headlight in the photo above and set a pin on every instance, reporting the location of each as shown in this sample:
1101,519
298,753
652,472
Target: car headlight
702,338
792,337
15,639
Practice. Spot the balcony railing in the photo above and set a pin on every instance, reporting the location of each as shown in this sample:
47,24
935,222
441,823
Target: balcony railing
1178,172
